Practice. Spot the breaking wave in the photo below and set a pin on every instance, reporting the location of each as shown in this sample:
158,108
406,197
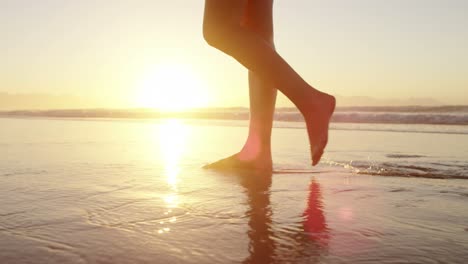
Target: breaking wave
424,169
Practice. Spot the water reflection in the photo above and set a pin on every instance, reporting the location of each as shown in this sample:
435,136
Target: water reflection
315,224
260,233
172,142
267,244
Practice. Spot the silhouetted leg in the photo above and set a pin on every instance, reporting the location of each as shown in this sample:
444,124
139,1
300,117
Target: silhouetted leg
222,29
258,17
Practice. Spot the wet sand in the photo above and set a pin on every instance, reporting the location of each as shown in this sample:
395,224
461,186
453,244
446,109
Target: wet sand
142,197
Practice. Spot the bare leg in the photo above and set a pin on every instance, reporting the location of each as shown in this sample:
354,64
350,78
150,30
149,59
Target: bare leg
258,17
262,108
223,31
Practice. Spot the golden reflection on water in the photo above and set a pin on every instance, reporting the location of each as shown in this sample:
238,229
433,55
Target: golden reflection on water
172,143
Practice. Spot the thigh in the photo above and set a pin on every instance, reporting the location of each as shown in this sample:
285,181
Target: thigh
258,17
224,12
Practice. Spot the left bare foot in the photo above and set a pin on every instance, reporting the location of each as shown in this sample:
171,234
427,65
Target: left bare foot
235,163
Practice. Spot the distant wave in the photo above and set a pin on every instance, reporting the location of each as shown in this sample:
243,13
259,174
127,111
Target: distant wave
402,118
408,109
388,118
445,115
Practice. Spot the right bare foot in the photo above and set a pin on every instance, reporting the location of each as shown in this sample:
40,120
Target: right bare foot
317,118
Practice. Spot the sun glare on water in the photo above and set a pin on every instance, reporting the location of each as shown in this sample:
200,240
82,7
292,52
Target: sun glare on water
172,144
171,87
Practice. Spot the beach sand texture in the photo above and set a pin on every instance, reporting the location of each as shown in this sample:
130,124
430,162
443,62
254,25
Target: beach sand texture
133,191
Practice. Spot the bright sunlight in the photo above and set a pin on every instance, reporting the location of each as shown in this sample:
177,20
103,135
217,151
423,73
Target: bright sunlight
171,87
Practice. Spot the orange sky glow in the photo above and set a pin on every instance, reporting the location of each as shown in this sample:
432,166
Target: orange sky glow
144,53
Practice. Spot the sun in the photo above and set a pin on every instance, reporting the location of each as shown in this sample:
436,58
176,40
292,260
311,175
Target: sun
171,87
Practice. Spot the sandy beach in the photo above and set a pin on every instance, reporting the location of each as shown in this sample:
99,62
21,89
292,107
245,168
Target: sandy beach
126,191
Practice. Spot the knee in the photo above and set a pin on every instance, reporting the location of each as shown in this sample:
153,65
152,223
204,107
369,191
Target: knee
266,35
219,36
225,37
215,35
263,31
210,34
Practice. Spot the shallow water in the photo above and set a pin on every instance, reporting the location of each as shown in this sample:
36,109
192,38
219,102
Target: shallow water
125,191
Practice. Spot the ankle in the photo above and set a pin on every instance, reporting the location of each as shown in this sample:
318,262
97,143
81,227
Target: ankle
313,102
249,153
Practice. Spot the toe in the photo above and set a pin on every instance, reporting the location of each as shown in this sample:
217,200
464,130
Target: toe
317,152
316,157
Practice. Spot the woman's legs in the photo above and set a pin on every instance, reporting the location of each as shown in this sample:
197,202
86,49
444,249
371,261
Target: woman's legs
222,29
258,17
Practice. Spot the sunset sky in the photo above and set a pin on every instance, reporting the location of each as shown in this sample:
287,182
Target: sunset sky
120,53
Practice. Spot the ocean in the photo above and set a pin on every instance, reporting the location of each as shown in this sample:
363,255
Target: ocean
114,186
416,141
